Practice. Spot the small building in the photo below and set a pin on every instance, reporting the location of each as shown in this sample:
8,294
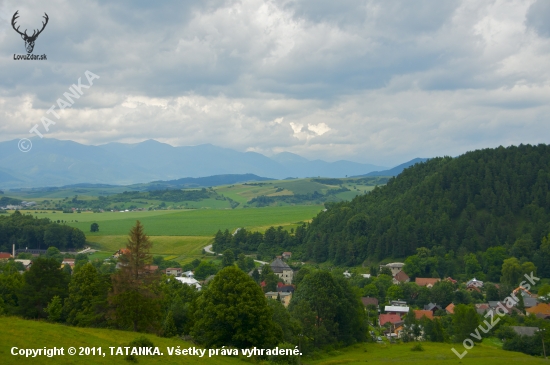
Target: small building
451,280
395,267
541,310
282,288
347,274
427,282
389,318
432,307
188,274
174,271
475,282
151,269
450,308
482,308
285,297
396,309
366,276
69,262
4,256
282,270
525,331
400,277
369,301
189,281
419,314
286,255
530,302
400,303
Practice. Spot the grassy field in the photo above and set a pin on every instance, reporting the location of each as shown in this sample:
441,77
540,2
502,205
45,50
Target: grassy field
434,353
178,248
31,334
203,222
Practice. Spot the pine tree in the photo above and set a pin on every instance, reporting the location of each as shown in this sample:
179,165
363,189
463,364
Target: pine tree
135,296
169,328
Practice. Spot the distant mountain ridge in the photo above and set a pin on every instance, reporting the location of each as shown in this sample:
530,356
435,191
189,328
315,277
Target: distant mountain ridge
397,169
53,162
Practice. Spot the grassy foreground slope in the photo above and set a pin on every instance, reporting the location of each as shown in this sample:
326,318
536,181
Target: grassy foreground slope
434,353
31,334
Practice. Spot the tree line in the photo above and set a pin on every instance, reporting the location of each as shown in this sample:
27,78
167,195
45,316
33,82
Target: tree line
26,231
482,199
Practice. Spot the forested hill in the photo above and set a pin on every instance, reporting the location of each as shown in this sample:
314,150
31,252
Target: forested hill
466,204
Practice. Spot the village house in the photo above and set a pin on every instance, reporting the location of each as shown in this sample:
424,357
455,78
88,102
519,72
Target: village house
427,282
282,270
369,301
474,282
5,256
432,307
284,297
174,271
286,255
26,263
389,318
188,274
396,309
541,310
189,281
450,309
395,267
69,262
419,314
400,277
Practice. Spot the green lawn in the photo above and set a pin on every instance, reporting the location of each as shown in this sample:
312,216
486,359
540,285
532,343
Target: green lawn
189,222
31,334
434,353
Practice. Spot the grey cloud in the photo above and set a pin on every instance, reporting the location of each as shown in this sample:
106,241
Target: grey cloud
538,16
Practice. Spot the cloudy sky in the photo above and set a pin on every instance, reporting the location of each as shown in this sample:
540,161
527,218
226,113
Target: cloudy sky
369,81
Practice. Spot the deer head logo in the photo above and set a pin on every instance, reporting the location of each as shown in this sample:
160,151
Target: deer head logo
29,40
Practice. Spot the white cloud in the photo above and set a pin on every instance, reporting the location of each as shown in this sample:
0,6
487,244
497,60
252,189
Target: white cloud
369,80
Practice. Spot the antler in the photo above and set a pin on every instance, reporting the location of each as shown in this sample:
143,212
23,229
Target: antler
34,34
43,24
15,16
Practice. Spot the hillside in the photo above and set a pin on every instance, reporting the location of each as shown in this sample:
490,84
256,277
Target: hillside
32,334
479,200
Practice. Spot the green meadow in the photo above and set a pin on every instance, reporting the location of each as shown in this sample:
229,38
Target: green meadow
434,353
179,248
203,222
32,334
21,333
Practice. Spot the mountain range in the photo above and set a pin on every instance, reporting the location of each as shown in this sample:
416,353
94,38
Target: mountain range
53,162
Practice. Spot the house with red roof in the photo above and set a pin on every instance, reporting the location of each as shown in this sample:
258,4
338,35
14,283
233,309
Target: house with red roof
389,318
401,277
427,282
419,314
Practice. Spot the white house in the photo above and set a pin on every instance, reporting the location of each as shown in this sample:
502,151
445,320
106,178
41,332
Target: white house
189,281
475,282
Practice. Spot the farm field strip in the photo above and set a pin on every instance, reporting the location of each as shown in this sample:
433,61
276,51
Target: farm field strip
204,222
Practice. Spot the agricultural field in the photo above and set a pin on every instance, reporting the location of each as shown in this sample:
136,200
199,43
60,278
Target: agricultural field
182,249
203,222
311,191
